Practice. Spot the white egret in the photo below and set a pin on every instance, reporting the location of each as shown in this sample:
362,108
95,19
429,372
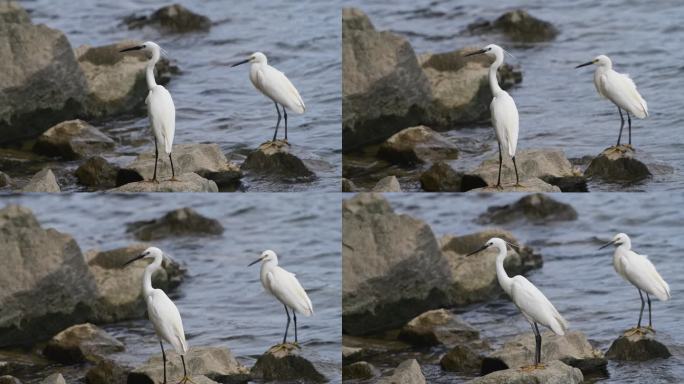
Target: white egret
503,110
285,287
536,308
162,312
620,89
640,272
160,108
275,85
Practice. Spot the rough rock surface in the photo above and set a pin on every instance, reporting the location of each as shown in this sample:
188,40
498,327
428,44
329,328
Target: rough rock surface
187,182
7,379
348,185
573,349
179,222
417,145
55,378
97,172
441,177
359,348
529,185
518,26
107,372
73,139
277,159
43,181
536,208
555,372
393,266
438,327
618,164
387,184
285,364
637,347
174,18
408,372
82,342
360,370
461,358
5,180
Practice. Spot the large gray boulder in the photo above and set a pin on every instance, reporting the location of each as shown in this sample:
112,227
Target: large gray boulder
80,343
179,222
172,18
408,372
640,346
43,181
417,145
71,140
42,83
518,26
393,266
618,164
286,363
187,182
438,327
537,208
555,372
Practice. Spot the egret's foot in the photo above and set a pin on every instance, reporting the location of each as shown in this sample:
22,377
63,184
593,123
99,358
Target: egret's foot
635,331
296,345
518,185
174,179
186,380
285,347
530,368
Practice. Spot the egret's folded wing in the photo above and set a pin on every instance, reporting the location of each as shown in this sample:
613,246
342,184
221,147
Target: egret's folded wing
278,87
167,320
285,286
162,114
532,302
505,120
643,274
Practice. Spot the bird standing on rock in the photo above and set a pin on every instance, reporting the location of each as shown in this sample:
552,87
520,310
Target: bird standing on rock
276,86
160,108
620,89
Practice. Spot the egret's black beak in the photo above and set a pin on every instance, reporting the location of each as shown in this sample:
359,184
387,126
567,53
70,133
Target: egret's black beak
255,261
240,63
584,65
132,48
607,244
140,256
482,248
475,53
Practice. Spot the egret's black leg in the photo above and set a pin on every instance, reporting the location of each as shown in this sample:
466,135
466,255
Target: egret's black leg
185,373
537,343
285,114
156,157
498,183
173,172
163,359
642,308
294,314
277,124
515,166
287,327
629,120
648,298
622,124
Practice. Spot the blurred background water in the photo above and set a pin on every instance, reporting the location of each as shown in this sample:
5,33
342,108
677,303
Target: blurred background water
221,300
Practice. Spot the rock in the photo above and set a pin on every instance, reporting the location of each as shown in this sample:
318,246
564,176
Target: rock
530,185
277,159
179,222
347,185
461,358
173,18
441,177
117,294
519,26
42,83
637,347
7,379
537,208
359,348
360,370
438,327
43,181
55,378
618,164
97,172
387,184
542,164
408,372
569,183
417,145
5,180
572,349
71,140
44,276
187,182
206,160
393,266
215,363
285,364
107,372
350,354
473,279
82,342
114,81
383,87
555,372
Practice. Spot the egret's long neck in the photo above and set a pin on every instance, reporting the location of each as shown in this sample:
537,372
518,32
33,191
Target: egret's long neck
501,274
147,277
493,82
151,83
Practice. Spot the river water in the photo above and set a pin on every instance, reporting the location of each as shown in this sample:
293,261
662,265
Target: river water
221,300
578,278
558,104
216,103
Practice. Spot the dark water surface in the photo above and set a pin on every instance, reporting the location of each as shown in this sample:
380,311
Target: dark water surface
221,301
216,103
578,278
558,105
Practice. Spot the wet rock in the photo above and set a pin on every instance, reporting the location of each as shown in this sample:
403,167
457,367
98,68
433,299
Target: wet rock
530,185
5,180
55,378
72,140
618,164
637,347
285,364
572,349
350,354
417,145
206,160
43,181
555,372
437,327
179,222
384,89
107,372
359,348
117,294
215,363
7,379
42,83
473,279
408,372
518,26
173,18
360,370
387,184
97,172
569,183
461,358
187,182
544,164
536,208
277,159
347,185
44,276
441,177
114,81
82,342
394,267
